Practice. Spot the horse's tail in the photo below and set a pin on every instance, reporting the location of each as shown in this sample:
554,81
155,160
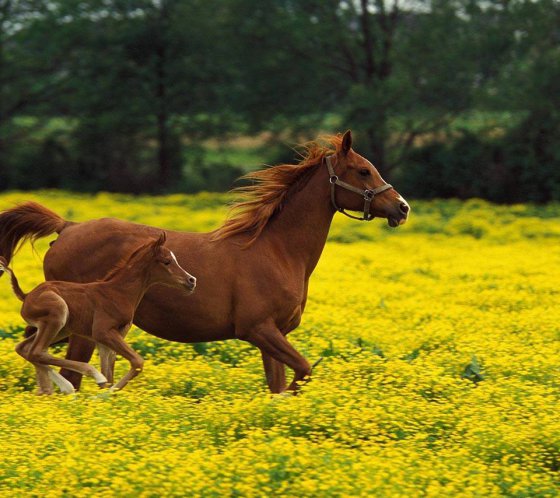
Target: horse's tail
27,221
15,284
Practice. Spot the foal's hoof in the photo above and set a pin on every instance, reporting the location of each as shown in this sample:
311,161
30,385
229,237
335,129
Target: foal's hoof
104,385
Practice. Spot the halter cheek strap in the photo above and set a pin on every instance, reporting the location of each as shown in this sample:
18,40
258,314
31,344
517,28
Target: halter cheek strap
367,194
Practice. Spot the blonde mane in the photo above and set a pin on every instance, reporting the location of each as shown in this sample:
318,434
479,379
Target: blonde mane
259,202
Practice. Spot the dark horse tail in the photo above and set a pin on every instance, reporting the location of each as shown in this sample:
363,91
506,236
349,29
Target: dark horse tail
27,221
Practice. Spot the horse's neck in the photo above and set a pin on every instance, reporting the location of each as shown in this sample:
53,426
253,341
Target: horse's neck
131,283
300,230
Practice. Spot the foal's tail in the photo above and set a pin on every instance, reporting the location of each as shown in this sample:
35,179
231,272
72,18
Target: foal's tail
15,284
27,221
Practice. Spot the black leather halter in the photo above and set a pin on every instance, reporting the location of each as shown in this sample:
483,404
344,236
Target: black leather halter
367,194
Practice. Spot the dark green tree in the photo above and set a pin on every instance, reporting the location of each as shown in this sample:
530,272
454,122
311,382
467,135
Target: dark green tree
392,72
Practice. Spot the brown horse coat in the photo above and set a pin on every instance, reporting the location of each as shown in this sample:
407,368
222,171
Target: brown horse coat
252,273
100,311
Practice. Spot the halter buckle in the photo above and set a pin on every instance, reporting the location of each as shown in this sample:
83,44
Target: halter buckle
369,195
333,179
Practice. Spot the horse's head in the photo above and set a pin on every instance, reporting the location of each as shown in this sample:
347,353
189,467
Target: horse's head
356,185
166,269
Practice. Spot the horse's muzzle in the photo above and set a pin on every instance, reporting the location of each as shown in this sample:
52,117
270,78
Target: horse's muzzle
190,284
399,216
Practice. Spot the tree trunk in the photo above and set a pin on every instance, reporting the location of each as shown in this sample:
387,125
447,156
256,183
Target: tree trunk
4,11
164,152
376,137
164,169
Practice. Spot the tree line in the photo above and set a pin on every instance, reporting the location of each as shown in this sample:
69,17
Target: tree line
451,98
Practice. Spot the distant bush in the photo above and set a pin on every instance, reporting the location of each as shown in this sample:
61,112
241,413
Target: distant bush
523,165
520,165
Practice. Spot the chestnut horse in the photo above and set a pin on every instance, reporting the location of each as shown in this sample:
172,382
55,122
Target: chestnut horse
253,271
100,311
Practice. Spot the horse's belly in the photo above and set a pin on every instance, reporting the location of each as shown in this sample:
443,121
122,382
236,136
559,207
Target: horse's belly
183,319
188,337
183,332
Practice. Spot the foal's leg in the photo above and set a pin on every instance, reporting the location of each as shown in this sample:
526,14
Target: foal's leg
107,357
48,333
270,340
44,382
113,340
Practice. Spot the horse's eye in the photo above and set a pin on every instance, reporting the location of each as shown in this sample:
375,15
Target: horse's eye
167,262
364,172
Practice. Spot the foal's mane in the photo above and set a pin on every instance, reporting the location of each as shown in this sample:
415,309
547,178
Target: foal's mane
259,202
126,260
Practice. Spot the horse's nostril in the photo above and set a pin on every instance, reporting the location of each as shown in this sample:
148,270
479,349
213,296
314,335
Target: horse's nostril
192,280
404,208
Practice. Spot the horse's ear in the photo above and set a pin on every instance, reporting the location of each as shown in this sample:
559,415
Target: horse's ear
160,241
347,142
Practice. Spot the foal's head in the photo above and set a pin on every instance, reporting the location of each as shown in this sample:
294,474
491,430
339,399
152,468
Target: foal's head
163,267
357,171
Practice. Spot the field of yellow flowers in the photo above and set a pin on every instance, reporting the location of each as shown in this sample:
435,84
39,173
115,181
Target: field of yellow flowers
440,377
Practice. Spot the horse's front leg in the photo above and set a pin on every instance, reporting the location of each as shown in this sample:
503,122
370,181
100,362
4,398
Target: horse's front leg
275,373
113,339
268,338
107,357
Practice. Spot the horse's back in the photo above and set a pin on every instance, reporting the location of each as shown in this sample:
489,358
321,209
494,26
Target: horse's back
86,252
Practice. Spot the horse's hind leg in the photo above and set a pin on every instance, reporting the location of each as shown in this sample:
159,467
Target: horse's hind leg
29,331
44,382
270,340
40,354
275,373
49,331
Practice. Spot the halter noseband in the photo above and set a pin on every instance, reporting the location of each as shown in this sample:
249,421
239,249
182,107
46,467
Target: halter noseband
367,194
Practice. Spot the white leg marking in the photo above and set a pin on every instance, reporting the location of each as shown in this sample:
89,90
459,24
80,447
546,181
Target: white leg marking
64,385
98,376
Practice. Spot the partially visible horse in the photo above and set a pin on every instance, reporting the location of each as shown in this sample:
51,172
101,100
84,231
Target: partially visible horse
253,272
99,311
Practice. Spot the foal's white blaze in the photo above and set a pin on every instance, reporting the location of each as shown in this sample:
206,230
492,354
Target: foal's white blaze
175,259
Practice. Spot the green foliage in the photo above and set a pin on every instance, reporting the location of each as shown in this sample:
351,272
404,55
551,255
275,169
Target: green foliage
123,96
473,371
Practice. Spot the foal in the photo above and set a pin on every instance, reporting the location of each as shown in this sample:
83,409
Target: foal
100,311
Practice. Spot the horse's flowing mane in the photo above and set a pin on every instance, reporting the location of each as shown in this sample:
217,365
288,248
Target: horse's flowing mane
259,202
